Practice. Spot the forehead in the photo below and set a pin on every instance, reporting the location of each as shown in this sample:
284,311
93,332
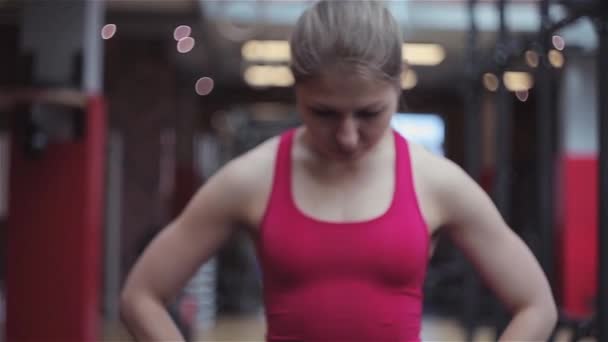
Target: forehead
344,90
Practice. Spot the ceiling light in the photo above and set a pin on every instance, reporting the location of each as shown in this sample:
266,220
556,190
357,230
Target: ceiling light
556,58
518,81
409,79
266,51
423,54
268,76
490,81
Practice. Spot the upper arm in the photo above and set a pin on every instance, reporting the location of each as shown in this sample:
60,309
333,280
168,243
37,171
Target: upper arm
192,238
475,226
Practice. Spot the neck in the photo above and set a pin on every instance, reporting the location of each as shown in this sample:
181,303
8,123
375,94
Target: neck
315,159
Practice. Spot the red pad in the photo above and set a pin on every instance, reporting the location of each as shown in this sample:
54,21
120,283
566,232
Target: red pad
54,233
578,238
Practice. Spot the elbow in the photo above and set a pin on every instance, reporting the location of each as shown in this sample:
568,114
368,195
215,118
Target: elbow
552,314
541,315
136,303
550,318
127,305
547,311
132,302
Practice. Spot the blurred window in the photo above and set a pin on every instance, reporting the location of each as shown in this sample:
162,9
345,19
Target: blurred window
427,130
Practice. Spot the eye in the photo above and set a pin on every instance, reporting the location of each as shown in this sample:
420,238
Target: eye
367,114
324,113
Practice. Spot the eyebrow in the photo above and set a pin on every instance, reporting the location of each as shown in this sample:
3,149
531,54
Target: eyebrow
377,106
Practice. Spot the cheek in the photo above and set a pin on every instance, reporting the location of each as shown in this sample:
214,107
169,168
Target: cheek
319,130
315,124
376,129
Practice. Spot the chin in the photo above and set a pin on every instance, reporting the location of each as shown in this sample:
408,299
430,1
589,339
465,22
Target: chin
347,156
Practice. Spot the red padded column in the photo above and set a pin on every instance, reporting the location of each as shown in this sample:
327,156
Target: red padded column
54,236
579,234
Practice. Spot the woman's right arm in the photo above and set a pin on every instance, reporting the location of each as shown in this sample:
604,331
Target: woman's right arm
178,251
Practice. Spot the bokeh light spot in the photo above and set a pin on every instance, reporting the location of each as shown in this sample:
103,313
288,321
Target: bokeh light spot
204,86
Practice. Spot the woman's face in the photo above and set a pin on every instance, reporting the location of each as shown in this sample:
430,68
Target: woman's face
345,115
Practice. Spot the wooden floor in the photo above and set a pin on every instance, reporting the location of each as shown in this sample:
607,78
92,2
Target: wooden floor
246,329
252,329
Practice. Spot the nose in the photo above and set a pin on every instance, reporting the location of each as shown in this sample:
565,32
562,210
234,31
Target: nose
347,135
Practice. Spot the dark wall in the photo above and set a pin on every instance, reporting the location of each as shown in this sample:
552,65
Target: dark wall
141,92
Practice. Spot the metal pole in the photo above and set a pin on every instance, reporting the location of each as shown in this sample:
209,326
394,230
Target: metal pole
472,120
93,48
112,233
502,182
472,156
602,298
504,124
544,144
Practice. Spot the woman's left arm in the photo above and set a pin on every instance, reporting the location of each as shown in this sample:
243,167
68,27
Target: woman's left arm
502,259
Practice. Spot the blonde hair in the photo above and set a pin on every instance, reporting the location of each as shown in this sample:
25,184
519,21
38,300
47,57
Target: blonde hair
359,34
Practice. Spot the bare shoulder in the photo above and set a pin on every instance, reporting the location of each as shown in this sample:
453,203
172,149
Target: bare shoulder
436,178
455,197
248,167
435,167
249,176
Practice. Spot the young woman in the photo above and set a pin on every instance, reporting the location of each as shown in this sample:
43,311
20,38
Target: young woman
341,208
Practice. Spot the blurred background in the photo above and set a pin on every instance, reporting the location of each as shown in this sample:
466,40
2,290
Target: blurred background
113,113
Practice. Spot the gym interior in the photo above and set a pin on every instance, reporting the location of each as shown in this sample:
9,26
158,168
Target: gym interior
113,113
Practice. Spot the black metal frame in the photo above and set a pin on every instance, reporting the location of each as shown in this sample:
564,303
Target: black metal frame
602,241
506,50
545,150
502,193
472,164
